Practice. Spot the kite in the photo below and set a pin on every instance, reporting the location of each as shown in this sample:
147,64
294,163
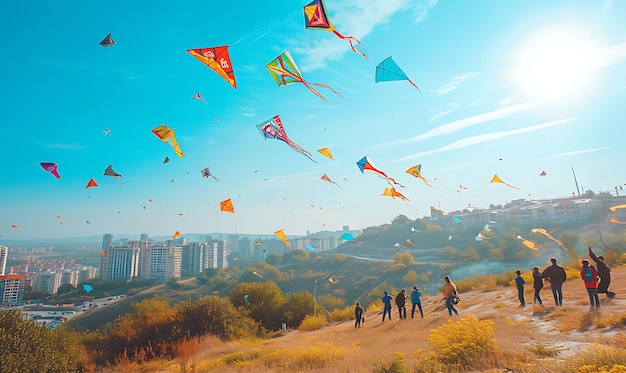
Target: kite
109,172
285,71
281,234
310,248
325,152
88,222
14,226
417,172
399,246
91,183
388,70
107,41
615,221
246,300
88,288
258,243
496,179
273,129
457,220
218,60
529,244
102,253
481,237
206,173
257,274
409,242
617,207
332,281
543,173
107,131
347,237
316,18
433,208
227,206
167,159
415,230
198,97
393,193
165,134
365,165
51,168
176,234
545,233
325,177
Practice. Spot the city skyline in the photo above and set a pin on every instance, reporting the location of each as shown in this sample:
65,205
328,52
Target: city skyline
529,91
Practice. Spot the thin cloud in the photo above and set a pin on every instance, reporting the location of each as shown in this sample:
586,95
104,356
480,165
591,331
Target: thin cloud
454,83
484,138
357,18
460,124
439,115
580,152
62,146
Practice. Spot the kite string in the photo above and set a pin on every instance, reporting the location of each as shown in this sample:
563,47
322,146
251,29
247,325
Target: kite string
260,32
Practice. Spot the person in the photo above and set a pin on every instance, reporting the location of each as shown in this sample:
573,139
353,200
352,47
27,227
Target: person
519,281
604,272
537,285
400,302
589,275
450,295
387,307
416,299
358,312
556,275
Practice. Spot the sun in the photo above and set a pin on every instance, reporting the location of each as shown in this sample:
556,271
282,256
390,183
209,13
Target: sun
555,62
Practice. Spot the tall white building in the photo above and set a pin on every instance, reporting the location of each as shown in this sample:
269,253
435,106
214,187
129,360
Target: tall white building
4,255
12,288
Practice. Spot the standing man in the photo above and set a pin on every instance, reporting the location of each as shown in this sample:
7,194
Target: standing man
401,302
358,313
537,285
519,281
387,308
416,299
555,274
604,272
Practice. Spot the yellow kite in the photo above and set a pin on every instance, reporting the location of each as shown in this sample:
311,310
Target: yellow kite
417,172
281,234
326,152
617,207
529,244
164,134
496,179
545,233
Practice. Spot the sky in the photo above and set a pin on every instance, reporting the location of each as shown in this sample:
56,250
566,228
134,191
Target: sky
509,88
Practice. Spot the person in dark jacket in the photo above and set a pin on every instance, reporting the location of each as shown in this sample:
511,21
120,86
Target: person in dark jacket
519,282
557,276
604,272
537,285
358,313
401,303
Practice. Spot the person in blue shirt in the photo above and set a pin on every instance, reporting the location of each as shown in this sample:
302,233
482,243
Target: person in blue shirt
537,285
387,308
417,301
519,281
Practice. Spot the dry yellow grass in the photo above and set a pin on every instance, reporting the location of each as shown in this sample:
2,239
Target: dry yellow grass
528,339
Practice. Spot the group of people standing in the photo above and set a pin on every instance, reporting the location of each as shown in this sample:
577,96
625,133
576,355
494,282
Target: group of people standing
596,281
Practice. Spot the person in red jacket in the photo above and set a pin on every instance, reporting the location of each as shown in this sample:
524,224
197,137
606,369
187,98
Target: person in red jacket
589,275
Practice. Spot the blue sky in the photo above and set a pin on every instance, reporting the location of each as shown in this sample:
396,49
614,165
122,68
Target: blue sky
513,88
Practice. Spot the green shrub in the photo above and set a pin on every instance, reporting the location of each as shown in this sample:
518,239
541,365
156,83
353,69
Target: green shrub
394,366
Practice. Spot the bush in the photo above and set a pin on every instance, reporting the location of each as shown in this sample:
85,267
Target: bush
342,314
313,322
395,366
464,341
596,360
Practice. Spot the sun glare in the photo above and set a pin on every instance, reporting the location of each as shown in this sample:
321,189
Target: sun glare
554,63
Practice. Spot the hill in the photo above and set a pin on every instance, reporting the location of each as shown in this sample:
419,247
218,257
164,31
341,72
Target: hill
533,339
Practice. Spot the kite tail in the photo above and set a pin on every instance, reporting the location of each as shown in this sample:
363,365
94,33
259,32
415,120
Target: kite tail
512,186
392,180
308,85
415,85
352,40
216,179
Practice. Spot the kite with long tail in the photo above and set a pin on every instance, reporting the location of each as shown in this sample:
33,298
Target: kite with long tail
285,71
273,129
316,18
496,179
366,166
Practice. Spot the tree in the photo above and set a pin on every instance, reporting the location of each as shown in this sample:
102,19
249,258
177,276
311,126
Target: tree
65,288
264,302
403,258
296,307
28,346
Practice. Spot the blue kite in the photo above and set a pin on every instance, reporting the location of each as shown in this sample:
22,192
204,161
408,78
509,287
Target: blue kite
389,70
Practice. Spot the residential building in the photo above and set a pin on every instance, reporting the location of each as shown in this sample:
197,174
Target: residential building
12,288
4,255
